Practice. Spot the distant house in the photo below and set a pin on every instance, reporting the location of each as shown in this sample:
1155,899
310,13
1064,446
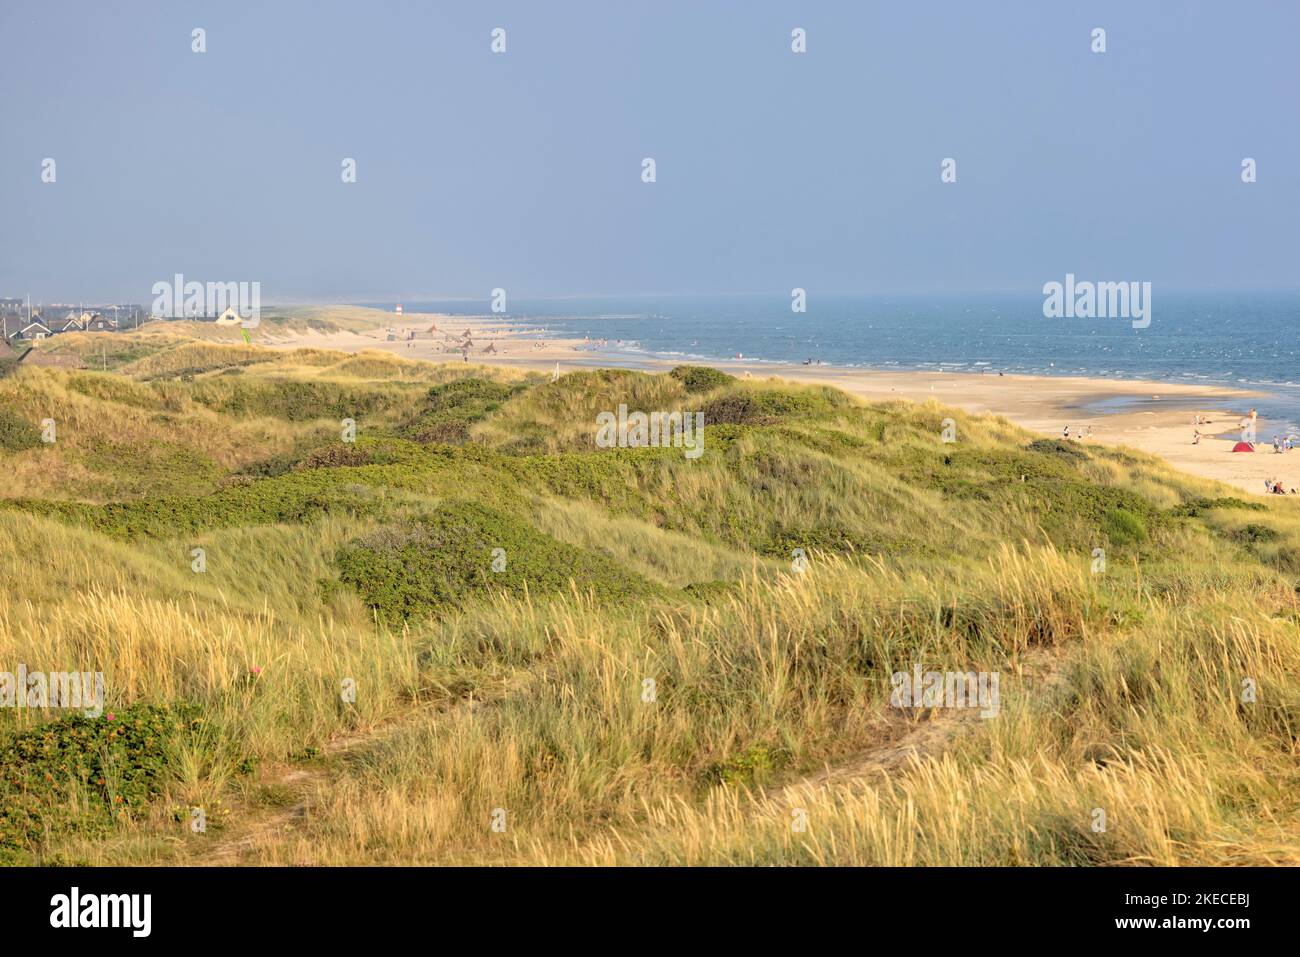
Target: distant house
230,317
34,330
98,323
70,323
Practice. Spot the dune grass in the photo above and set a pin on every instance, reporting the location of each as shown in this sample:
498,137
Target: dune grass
679,661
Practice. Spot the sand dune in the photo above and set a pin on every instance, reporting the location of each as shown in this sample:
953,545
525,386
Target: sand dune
1154,417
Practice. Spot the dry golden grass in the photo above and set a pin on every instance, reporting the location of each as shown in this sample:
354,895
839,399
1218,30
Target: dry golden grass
769,704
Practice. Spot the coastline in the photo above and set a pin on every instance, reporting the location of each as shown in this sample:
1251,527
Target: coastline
1152,417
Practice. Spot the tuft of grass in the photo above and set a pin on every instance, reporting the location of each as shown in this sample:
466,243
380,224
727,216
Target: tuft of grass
1125,528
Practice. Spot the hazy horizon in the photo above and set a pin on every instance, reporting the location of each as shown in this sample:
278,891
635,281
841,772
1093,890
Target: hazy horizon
522,170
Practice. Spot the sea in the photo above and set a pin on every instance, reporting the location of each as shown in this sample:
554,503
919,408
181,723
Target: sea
1247,340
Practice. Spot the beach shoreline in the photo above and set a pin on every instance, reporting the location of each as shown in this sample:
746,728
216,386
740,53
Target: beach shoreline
1153,417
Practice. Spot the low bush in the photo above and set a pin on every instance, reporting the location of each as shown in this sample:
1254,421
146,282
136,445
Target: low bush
696,379
449,410
84,773
17,434
432,565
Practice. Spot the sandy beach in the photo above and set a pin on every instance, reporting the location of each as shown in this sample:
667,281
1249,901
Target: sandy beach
1153,417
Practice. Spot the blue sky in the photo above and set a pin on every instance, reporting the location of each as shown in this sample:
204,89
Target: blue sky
522,170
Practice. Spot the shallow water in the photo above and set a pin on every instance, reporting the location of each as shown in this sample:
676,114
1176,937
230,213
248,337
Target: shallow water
1248,340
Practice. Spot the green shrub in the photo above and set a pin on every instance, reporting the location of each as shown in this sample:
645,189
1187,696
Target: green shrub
1253,532
17,434
710,591
345,455
432,565
765,407
1199,506
697,379
442,433
470,396
737,408
84,774
1057,447
751,768
271,467
450,409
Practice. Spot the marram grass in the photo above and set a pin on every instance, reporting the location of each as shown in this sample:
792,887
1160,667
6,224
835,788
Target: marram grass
677,662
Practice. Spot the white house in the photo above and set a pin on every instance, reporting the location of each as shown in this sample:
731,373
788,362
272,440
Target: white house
34,330
72,322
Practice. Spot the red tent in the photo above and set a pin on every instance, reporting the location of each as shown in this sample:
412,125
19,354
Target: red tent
1243,447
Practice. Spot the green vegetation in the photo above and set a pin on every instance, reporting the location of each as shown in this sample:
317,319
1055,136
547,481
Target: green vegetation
432,565
17,434
449,410
665,656
83,774
696,379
